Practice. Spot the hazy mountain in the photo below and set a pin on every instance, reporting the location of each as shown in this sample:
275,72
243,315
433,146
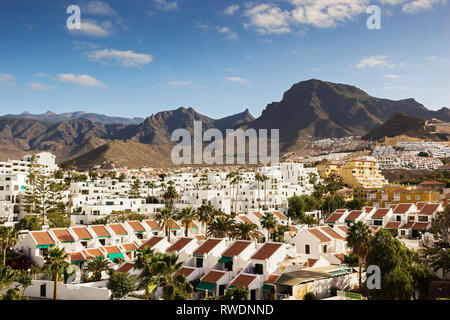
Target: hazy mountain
52,117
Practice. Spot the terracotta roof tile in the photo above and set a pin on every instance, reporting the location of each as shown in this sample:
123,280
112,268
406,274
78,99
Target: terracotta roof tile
129,247
429,209
392,225
42,237
332,233
380,213
136,226
420,205
151,242
353,215
266,251
213,276
200,237
100,231
82,233
258,215
311,262
152,224
340,256
421,226
408,225
126,267
280,215
243,280
319,235
94,252
63,235
401,208
207,246
343,228
76,256
112,249
236,248
180,244
185,271
245,219
334,217
118,229
272,278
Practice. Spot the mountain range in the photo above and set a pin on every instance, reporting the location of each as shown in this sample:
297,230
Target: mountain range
309,110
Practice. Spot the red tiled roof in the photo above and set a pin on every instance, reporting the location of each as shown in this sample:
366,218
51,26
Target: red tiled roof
272,278
431,183
258,215
380,213
118,229
266,251
392,225
63,235
94,252
245,219
112,249
207,246
401,208
152,242
129,247
420,205
340,256
331,233
429,208
343,228
353,215
340,211
421,226
319,235
200,237
368,209
42,237
100,231
82,233
236,248
334,217
280,215
152,224
185,271
213,276
180,244
408,225
311,262
175,225
243,280
136,225
126,267
292,228
76,256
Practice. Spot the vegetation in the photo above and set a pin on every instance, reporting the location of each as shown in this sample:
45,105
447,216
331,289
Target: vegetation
355,204
269,223
121,284
358,238
56,265
96,266
166,219
8,238
310,296
245,231
187,216
135,192
236,293
222,226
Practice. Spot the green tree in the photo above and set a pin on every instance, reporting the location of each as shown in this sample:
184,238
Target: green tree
206,214
186,216
135,188
96,266
145,261
236,293
355,204
24,279
58,220
441,260
246,231
56,265
150,185
29,222
121,284
8,238
269,223
358,238
440,226
310,296
221,227
166,218
170,195
7,276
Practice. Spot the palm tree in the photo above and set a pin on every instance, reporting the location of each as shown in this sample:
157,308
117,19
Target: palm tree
221,227
8,238
145,261
269,223
205,215
230,176
96,266
236,181
441,260
150,185
258,179
170,195
264,179
358,238
56,265
246,231
173,288
166,219
186,216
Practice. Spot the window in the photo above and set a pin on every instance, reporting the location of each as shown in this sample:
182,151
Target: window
258,268
307,249
423,218
43,290
325,248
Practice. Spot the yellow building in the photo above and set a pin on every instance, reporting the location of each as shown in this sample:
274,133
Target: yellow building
383,197
356,173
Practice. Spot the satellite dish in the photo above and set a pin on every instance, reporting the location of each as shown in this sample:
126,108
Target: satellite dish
428,239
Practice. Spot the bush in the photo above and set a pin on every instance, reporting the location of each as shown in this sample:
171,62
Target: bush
310,296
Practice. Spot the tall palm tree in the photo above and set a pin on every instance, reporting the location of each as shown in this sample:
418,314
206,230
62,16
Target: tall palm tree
170,195
56,265
236,181
258,178
96,266
246,231
230,176
146,260
269,223
358,238
166,219
264,179
186,216
8,238
206,215
221,227
150,185
441,260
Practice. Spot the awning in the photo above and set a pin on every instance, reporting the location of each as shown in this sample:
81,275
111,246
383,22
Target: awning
112,256
225,259
45,246
267,286
78,261
206,286
198,255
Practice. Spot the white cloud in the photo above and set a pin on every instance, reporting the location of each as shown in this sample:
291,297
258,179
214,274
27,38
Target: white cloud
229,34
80,79
392,76
125,58
166,5
179,83
7,80
231,9
268,19
373,61
419,5
42,75
94,29
236,79
40,86
431,58
99,8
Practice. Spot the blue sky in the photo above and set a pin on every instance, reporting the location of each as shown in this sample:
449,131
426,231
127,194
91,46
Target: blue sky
138,57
